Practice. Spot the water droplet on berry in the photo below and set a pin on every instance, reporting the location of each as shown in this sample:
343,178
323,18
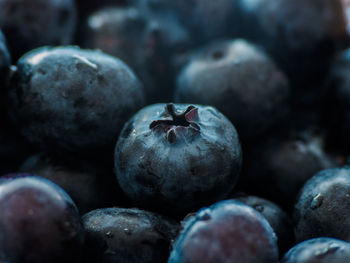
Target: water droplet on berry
109,234
204,215
330,249
259,208
127,231
316,201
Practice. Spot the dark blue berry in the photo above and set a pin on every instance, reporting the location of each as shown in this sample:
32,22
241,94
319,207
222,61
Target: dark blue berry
177,157
70,99
240,80
228,231
322,209
38,222
319,250
127,235
277,218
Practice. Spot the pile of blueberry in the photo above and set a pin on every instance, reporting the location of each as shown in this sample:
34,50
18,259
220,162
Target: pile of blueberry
178,131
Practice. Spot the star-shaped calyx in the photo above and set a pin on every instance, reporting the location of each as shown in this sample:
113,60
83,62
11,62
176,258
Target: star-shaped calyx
184,121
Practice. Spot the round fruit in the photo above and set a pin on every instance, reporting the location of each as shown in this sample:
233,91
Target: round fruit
127,235
228,231
38,222
72,99
177,158
240,80
323,206
319,250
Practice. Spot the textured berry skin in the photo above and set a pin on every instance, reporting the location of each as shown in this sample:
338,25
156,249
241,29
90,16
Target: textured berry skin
228,231
179,161
278,168
127,236
38,222
31,24
277,218
83,182
72,99
319,250
323,206
240,80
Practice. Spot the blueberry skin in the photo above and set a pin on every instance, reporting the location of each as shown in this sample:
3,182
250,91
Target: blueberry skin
83,182
323,205
277,168
319,250
127,236
31,24
240,80
302,36
39,222
177,168
228,231
277,218
70,99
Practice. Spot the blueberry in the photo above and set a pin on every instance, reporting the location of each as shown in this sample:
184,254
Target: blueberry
240,80
38,222
145,43
228,231
323,205
277,218
35,23
319,250
127,235
176,158
83,182
302,36
277,168
70,99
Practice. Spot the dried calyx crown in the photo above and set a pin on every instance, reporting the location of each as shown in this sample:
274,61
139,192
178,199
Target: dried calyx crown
185,119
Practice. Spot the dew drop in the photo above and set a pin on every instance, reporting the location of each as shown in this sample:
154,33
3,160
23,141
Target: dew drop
316,201
330,249
127,231
204,215
109,234
259,208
